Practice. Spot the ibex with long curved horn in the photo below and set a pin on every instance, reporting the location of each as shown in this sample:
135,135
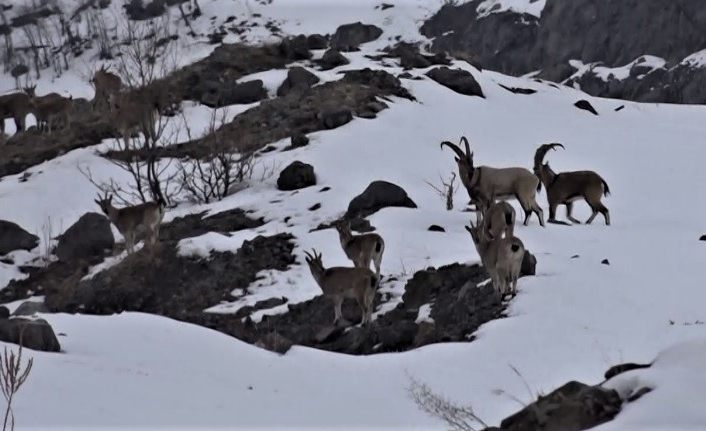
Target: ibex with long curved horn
340,282
565,187
487,181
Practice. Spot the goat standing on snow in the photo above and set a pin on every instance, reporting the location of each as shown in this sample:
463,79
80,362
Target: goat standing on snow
133,221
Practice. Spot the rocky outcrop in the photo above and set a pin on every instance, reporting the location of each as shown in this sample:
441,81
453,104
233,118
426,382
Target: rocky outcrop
378,195
13,237
298,79
35,334
296,175
349,36
592,31
458,80
89,237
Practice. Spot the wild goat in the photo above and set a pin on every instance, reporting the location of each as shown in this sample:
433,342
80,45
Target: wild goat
361,249
501,182
49,108
565,187
501,257
16,106
134,221
107,84
339,283
134,113
496,218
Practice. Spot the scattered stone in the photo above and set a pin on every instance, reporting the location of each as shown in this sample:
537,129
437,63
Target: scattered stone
576,256
315,207
4,312
218,94
13,237
274,342
297,141
325,189
36,334
458,80
605,262
623,368
529,264
436,228
88,238
298,79
586,106
378,195
518,90
296,176
619,108
30,308
349,36
702,238
296,48
317,41
332,58
385,6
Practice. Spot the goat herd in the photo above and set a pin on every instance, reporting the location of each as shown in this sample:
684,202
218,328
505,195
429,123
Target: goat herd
493,234
500,251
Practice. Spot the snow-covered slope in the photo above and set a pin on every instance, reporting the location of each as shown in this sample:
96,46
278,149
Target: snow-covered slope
573,320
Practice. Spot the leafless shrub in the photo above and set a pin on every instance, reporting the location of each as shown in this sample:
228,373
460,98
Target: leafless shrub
446,190
13,374
459,418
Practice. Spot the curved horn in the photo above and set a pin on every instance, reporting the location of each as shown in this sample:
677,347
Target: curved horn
469,155
455,149
542,151
309,256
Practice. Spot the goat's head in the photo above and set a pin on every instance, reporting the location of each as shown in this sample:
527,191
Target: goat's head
30,90
342,225
314,261
475,232
541,152
105,202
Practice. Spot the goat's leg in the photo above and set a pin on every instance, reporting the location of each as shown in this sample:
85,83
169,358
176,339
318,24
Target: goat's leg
539,211
569,208
594,213
606,214
337,303
376,261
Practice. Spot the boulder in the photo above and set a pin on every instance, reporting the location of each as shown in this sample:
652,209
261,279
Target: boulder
317,41
529,264
296,176
335,118
274,342
36,334
298,79
4,312
458,80
378,195
216,94
89,237
13,237
296,48
586,106
349,36
29,308
333,58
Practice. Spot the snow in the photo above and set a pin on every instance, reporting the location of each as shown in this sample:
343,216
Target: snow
572,321
531,7
697,59
622,72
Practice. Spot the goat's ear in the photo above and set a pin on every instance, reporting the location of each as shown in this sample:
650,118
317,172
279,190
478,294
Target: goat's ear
469,230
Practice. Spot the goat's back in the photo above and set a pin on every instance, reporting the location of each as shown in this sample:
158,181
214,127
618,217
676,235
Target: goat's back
139,217
347,282
507,182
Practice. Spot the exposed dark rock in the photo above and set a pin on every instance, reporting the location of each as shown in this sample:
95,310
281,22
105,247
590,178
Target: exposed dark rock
349,36
605,262
89,237
298,79
274,342
35,334
378,79
623,368
436,228
13,237
317,41
458,80
333,58
296,176
619,108
216,94
585,105
4,312
378,195
336,118
411,58
529,264
198,224
593,31
296,48
29,308
702,238
518,90
385,6
297,141
572,407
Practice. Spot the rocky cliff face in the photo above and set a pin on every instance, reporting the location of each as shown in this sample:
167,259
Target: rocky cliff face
608,37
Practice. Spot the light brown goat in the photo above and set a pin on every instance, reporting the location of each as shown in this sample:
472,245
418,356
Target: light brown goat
514,182
361,249
566,187
133,112
134,221
16,106
501,257
340,282
50,109
497,218
106,84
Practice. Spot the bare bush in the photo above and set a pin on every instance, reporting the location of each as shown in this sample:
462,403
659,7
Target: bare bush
459,418
446,190
13,374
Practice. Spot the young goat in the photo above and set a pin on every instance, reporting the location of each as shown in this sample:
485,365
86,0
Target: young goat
361,249
134,221
495,217
49,108
501,257
515,182
107,84
339,283
565,187
16,106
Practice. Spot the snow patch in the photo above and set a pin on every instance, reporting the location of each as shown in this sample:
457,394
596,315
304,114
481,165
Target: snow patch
530,7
